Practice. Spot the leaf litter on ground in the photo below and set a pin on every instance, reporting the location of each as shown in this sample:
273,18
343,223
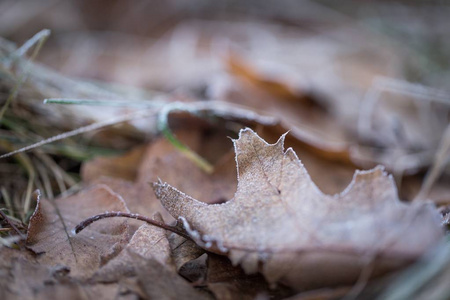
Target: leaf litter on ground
50,236
418,146
280,224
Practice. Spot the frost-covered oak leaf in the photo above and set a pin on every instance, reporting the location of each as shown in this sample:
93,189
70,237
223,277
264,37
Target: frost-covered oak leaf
280,224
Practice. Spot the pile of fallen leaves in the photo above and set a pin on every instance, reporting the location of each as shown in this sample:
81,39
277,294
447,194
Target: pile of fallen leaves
278,235
260,160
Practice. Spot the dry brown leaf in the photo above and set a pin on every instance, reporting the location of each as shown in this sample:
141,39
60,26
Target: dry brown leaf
271,84
22,278
369,119
161,281
312,126
318,129
195,271
183,250
124,167
148,241
229,282
322,294
134,196
329,175
281,224
162,160
189,258
49,231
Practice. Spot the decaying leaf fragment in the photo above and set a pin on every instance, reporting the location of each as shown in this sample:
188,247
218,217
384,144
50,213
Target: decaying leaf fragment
229,282
49,231
281,224
183,250
148,241
27,280
160,281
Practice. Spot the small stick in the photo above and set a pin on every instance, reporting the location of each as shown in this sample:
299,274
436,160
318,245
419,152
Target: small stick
115,214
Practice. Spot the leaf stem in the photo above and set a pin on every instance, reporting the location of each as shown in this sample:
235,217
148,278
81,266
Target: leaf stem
119,214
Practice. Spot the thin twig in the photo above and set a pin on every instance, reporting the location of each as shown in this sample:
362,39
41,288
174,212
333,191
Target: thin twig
119,214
